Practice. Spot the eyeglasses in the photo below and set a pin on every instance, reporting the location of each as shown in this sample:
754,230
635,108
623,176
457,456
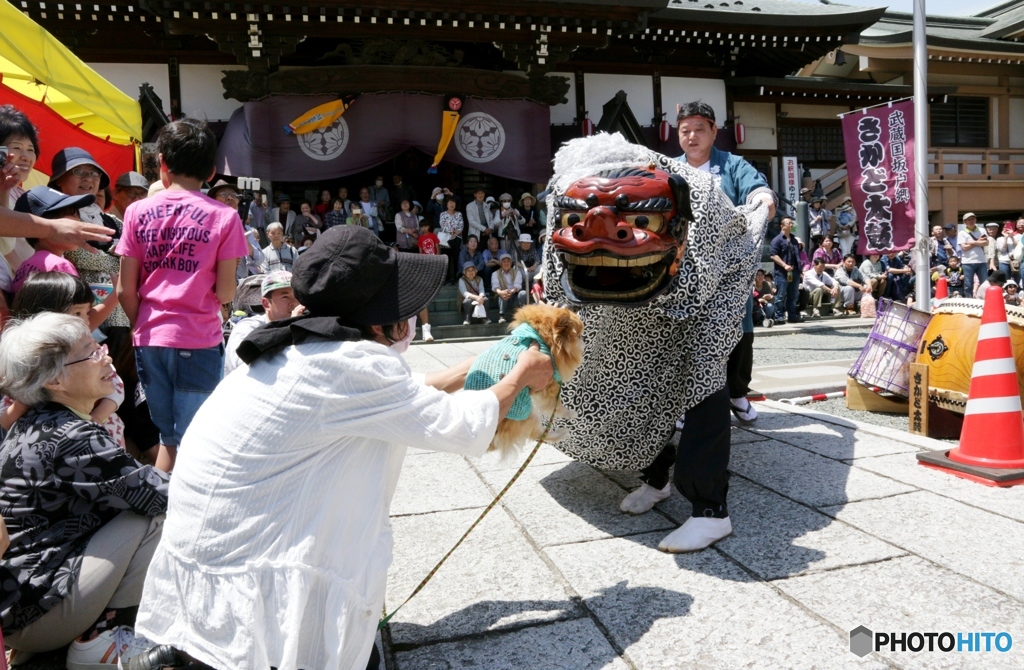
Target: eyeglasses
83,173
97,355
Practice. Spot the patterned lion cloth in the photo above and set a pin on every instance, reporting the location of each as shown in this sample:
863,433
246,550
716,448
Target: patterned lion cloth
645,366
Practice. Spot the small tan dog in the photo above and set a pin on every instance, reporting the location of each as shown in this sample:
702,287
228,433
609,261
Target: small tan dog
559,330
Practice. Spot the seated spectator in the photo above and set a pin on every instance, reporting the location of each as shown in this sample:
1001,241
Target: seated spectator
899,276
874,274
84,517
507,282
805,262
491,258
764,293
1012,295
278,301
471,254
852,284
828,253
528,257
307,224
407,227
283,213
369,210
336,215
324,205
252,264
62,293
955,277
997,278
346,203
277,255
76,172
358,218
822,288
473,295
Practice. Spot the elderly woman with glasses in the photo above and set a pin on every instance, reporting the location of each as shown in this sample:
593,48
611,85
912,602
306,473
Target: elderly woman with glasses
84,517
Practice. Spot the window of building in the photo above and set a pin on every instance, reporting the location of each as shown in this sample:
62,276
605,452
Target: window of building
960,122
813,142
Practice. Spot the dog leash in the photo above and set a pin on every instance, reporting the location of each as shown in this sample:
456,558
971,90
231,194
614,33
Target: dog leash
387,617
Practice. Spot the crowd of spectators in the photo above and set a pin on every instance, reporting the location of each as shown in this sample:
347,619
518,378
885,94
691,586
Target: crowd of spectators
477,234
833,279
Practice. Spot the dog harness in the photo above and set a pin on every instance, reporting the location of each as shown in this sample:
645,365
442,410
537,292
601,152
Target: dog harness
491,366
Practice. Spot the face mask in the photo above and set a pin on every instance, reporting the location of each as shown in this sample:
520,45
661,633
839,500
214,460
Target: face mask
439,197
379,183
506,205
402,345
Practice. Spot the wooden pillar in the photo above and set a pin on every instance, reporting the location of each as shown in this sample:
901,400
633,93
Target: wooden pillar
581,99
656,90
174,83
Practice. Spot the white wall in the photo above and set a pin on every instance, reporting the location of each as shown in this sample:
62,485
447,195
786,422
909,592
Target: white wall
678,90
600,88
1016,123
129,76
566,113
202,94
758,118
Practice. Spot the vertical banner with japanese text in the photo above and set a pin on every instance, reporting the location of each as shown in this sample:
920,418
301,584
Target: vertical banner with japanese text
879,144
791,180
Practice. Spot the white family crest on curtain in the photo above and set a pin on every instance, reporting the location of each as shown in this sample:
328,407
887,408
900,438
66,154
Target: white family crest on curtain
480,137
326,143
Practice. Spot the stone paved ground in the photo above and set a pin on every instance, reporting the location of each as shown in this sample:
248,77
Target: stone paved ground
836,526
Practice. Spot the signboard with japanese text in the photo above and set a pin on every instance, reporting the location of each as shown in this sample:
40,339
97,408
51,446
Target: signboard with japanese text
879,144
791,179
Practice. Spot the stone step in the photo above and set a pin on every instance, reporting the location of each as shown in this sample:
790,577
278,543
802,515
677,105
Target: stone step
473,332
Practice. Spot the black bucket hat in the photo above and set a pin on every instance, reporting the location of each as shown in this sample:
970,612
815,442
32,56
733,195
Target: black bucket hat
350,274
68,159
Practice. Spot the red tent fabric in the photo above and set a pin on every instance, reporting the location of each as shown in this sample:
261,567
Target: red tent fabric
56,133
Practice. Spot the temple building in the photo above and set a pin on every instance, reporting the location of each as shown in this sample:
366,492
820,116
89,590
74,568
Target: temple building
527,76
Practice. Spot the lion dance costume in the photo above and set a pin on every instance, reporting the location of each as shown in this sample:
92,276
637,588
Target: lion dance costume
659,265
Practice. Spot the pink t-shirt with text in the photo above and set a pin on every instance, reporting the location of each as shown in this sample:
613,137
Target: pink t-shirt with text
178,237
41,261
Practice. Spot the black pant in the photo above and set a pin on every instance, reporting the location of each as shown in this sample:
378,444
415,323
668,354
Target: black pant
740,367
452,252
702,459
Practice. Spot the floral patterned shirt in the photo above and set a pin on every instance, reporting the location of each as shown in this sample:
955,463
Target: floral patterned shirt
62,478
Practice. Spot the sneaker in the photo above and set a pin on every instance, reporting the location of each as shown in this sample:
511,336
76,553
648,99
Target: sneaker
743,409
465,322
816,314
427,337
501,319
768,323
110,649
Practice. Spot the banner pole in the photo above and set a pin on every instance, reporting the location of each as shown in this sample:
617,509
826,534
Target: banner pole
922,267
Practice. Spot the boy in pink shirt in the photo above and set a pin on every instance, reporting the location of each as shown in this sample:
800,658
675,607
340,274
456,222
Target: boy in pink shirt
179,251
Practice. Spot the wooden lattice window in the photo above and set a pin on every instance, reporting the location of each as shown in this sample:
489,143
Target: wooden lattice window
812,143
960,122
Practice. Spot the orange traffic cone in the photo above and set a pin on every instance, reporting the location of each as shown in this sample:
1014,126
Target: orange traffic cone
941,289
991,447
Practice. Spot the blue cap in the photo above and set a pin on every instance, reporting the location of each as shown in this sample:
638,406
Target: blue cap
66,160
43,200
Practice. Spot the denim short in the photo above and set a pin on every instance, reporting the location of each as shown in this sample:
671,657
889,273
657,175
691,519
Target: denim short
177,381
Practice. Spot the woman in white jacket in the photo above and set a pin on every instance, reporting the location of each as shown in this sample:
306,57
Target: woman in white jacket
277,541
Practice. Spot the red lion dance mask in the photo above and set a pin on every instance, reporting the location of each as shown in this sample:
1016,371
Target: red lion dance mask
620,235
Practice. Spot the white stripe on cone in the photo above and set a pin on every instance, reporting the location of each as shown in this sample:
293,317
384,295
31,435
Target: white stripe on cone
990,331
995,366
993,405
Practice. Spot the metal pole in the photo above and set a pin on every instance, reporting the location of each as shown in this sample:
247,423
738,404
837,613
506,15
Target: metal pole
802,224
923,283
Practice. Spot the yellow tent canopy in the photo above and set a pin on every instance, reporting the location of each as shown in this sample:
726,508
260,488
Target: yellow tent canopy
35,64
